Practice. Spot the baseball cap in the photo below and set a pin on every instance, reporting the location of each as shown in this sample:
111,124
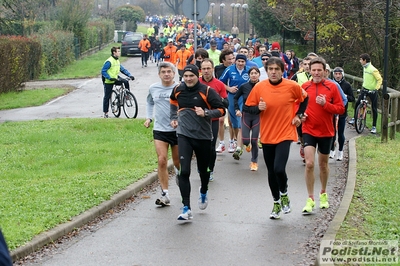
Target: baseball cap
170,40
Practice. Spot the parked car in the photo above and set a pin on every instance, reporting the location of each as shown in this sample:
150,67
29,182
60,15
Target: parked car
130,43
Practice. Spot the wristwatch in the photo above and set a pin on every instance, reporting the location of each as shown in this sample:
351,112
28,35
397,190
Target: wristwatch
206,113
300,115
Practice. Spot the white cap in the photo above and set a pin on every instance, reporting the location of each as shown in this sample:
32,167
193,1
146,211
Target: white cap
170,40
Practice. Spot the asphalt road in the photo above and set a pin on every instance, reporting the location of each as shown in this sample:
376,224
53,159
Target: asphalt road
235,229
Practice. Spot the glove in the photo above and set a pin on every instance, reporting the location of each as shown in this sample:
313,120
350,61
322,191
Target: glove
113,79
132,77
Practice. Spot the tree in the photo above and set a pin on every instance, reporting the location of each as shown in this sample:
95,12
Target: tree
150,6
174,5
130,14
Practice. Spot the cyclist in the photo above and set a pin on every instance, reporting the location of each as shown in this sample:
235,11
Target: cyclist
111,68
372,82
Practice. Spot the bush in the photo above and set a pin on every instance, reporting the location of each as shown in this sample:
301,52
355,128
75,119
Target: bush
57,50
19,61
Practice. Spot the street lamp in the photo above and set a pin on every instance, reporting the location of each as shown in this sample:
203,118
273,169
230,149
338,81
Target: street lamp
315,25
237,6
212,13
233,7
245,7
221,19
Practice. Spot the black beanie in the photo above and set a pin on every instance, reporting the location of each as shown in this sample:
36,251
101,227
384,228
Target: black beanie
192,68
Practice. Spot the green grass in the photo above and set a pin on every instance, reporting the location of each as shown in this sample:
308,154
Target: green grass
87,67
375,207
56,169
11,100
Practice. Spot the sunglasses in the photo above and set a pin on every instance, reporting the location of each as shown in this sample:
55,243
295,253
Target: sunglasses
264,59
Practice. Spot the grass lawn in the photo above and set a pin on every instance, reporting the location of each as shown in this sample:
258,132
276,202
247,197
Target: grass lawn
57,169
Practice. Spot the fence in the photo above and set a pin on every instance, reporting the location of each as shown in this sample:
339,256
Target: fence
389,108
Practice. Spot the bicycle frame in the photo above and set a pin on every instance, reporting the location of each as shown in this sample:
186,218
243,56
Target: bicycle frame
121,97
361,114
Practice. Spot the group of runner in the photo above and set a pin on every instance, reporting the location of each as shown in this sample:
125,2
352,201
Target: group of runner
272,108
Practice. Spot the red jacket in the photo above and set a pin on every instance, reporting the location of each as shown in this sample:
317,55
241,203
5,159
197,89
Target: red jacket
319,121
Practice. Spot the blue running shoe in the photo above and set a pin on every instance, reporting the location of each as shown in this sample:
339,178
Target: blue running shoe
203,200
186,214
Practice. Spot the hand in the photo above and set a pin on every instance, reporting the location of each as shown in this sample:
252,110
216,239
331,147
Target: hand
199,111
238,113
147,122
321,100
296,121
174,123
262,105
233,89
113,79
132,77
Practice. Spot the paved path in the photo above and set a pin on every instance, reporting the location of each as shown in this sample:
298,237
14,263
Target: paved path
235,229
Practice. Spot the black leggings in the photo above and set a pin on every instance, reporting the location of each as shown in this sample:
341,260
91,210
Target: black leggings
276,157
213,153
145,57
201,148
251,123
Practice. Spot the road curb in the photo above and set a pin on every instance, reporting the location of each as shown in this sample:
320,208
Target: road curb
61,230
340,215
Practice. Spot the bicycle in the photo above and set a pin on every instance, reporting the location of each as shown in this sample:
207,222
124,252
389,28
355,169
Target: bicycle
361,112
122,97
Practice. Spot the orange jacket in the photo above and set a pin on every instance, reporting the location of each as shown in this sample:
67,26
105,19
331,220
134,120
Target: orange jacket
169,54
144,45
181,58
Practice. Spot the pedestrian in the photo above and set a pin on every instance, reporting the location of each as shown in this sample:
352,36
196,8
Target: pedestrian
156,46
338,74
197,104
5,258
250,122
109,73
235,31
234,76
372,82
157,108
182,56
169,51
144,46
207,78
273,99
324,102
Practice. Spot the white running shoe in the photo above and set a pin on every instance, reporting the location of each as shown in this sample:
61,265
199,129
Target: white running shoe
332,154
340,156
232,147
221,147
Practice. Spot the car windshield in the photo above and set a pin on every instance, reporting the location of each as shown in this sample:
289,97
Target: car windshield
131,38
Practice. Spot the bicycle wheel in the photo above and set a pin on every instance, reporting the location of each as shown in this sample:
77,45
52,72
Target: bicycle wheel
130,105
114,104
361,118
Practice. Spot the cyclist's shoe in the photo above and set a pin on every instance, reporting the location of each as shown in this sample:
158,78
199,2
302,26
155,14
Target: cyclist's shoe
323,201
163,200
340,156
310,204
211,176
231,148
351,121
203,200
105,115
236,155
186,214
285,203
302,151
253,166
276,211
332,154
373,130
221,147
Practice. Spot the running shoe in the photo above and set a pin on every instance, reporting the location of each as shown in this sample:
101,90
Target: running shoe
231,148
285,203
186,214
332,154
259,144
373,130
211,176
203,200
276,211
237,153
221,147
248,147
253,166
310,204
105,115
340,156
163,200
351,121
302,151
323,201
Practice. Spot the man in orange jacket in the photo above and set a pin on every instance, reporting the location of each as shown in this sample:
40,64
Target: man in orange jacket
144,46
182,55
169,52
